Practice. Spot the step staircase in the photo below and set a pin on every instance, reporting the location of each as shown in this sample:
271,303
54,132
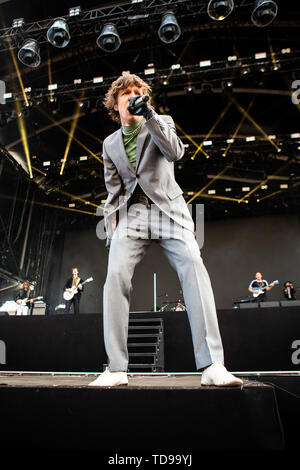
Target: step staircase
146,345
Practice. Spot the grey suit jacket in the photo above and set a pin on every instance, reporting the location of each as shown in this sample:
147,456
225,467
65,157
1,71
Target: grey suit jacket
158,146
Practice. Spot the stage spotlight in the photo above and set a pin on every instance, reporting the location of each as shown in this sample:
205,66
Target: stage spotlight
29,54
74,11
58,34
227,85
18,23
53,104
189,90
245,70
264,12
109,39
169,30
219,9
85,106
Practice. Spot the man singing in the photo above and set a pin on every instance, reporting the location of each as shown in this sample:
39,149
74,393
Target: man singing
139,173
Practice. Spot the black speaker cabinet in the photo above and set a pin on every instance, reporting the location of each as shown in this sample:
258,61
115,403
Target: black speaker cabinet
269,304
249,305
290,303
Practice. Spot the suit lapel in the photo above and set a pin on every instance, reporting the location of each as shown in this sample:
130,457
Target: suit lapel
121,154
140,142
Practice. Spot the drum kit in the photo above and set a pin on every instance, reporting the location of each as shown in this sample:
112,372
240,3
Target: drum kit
172,306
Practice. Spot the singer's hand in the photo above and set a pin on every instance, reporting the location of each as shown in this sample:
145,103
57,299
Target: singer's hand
140,108
107,243
147,111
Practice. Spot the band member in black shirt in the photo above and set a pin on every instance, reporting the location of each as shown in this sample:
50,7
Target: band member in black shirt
73,281
24,293
289,291
257,284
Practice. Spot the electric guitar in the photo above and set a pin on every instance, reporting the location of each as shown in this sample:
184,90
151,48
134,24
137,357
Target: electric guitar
23,302
74,290
260,290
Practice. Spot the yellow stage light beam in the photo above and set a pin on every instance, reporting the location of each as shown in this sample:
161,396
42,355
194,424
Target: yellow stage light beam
22,129
190,139
277,192
267,179
275,65
237,130
78,198
225,198
178,60
243,111
65,193
49,72
70,137
271,195
71,196
209,184
67,132
53,206
211,196
212,128
39,171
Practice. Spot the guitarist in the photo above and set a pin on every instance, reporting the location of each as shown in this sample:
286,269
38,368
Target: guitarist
24,293
259,283
75,280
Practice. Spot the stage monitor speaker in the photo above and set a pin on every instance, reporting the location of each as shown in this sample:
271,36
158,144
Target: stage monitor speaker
3,314
270,304
249,305
290,303
39,308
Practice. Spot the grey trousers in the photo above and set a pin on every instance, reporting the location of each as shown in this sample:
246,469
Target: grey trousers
183,253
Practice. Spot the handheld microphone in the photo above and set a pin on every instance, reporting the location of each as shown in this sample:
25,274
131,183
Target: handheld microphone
136,104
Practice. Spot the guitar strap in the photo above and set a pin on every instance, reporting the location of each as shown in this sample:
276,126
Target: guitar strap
75,282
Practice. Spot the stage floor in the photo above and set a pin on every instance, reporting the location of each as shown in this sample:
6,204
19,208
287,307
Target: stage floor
136,381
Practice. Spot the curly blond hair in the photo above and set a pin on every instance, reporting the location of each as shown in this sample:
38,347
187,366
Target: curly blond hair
125,80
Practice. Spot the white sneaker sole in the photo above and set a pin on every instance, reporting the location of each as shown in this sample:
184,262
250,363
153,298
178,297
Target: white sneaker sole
99,384
232,383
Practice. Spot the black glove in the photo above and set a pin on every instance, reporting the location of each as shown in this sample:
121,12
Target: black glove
138,105
107,243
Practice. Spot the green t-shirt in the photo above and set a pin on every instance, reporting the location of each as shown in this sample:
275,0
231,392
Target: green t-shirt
130,142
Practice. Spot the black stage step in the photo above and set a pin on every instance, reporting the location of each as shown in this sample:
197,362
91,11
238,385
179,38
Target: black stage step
140,332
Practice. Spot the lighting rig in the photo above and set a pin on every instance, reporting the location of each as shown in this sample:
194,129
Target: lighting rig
206,76
106,21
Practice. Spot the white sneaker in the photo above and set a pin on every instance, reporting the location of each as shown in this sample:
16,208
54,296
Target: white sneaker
110,379
218,375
